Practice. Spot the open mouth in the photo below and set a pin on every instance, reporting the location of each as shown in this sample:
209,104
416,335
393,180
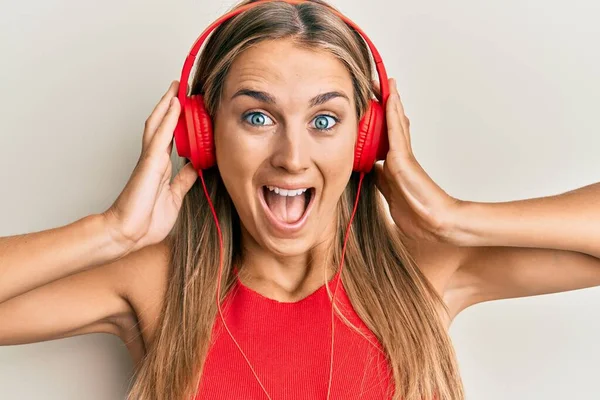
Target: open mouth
287,209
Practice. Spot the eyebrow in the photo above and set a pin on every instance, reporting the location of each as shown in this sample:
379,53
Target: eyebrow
270,99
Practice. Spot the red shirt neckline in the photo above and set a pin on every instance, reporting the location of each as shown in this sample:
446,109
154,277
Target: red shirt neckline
305,299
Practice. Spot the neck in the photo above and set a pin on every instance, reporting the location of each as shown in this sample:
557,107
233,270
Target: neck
285,277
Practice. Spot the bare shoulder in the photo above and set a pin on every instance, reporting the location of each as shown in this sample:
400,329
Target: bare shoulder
144,287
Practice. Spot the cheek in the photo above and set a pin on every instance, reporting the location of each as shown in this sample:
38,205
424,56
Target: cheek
233,150
338,155
236,171
336,166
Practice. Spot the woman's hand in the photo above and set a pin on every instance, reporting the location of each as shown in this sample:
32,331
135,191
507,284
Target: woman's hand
419,207
145,211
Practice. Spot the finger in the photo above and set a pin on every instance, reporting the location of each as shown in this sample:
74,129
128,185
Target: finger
392,192
396,136
170,148
183,182
403,118
158,114
163,137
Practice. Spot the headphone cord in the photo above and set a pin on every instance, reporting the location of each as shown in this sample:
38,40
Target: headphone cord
201,175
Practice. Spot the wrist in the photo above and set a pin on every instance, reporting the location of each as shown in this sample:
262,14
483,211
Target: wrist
121,243
461,224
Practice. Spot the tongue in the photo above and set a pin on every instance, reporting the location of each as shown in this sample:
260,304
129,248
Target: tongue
287,209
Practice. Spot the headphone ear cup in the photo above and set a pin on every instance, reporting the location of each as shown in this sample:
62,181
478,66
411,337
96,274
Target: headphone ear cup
201,134
371,136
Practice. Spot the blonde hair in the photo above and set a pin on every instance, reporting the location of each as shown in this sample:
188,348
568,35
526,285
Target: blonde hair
386,288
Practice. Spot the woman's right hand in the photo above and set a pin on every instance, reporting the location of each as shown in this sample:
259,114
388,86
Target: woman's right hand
147,208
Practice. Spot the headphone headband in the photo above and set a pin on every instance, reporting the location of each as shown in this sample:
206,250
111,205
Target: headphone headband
191,57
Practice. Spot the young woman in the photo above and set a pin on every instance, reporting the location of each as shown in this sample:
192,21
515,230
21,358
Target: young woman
286,86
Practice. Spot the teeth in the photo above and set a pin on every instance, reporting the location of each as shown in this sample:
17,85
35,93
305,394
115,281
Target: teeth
286,192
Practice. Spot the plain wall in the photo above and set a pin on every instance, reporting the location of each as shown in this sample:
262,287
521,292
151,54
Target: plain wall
502,97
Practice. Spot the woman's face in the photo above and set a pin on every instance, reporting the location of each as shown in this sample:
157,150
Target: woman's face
286,121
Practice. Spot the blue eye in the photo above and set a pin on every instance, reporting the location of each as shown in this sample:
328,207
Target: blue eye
321,122
257,118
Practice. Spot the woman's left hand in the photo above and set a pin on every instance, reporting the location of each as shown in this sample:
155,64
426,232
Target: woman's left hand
419,207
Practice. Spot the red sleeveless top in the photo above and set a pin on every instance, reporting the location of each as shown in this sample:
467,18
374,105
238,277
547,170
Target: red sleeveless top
289,345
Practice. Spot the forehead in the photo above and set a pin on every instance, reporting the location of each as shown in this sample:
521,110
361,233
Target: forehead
283,65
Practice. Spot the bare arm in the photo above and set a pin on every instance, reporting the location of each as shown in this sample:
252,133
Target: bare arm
143,214
89,301
104,299
528,247
474,252
494,273
49,290
35,259
567,221
77,278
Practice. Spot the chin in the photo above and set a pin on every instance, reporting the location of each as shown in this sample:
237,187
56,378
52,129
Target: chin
286,247
280,245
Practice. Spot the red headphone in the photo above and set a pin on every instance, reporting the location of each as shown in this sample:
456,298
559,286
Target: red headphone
194,133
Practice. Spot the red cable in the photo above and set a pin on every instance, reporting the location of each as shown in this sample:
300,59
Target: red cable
212,209
362,174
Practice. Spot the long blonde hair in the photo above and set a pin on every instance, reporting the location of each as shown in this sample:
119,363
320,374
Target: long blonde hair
387,290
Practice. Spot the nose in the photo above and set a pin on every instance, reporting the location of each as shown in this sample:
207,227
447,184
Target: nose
291,150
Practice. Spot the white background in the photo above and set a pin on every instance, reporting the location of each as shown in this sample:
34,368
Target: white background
502,98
